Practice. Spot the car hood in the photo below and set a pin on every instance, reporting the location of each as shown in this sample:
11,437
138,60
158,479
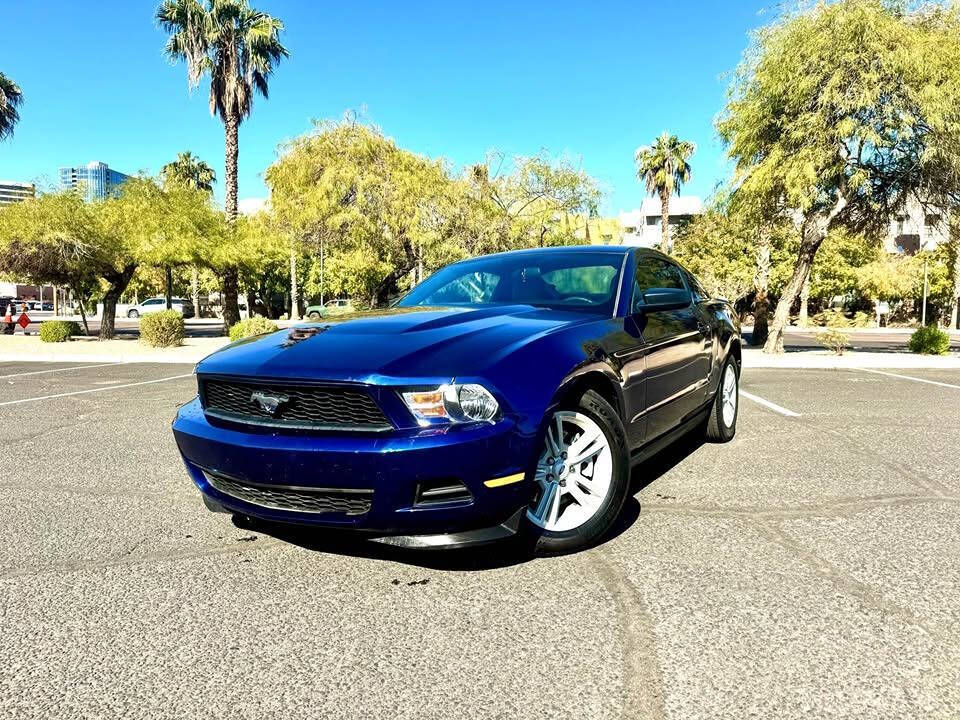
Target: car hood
401,343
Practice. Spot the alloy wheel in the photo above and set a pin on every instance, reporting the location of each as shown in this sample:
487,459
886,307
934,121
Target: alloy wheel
573,473
729,396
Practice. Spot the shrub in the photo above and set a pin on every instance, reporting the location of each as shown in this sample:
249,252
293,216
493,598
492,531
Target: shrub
58,330
831,318
255,325
930,340
835,340
162,329
864,319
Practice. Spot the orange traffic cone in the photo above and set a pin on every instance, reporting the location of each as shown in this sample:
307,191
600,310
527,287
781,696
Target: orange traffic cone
8,321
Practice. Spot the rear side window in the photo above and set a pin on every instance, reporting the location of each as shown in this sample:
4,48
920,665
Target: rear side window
653,272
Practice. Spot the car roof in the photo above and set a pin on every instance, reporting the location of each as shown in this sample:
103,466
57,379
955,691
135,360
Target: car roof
611,249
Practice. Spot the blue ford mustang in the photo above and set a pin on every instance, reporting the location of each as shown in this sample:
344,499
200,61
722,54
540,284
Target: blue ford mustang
506,393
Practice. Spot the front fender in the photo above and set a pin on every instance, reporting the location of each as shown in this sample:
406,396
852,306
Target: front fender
536,376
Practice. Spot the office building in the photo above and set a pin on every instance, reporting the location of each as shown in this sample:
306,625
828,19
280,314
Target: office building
95,180
12,191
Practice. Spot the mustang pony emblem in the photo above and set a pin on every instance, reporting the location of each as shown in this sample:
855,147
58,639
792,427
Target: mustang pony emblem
268,403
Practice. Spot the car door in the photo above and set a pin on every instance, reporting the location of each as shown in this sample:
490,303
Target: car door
674,342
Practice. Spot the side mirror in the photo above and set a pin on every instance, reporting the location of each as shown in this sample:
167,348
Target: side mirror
665,299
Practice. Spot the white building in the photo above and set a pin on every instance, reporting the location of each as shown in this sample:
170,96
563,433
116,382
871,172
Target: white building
916,228
641,226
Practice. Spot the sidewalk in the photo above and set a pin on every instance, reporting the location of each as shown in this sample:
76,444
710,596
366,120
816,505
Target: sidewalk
19,348
814,329
826,360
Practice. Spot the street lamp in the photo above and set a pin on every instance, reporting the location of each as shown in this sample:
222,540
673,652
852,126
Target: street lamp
923,312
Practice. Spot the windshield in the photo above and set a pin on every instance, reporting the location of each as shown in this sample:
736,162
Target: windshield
586,281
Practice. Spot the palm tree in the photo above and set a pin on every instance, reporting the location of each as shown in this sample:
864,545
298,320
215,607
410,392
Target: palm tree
10,99
239,47
191,171
663,168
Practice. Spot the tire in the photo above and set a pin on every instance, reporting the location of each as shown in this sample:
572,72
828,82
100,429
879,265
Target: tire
314,316
558,522
133,314
722,421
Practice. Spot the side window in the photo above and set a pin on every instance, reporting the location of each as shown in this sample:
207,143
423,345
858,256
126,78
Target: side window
653,272
153,302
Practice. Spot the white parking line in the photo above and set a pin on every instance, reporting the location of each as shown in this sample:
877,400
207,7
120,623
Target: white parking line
93,390
40,372
768,404
907,377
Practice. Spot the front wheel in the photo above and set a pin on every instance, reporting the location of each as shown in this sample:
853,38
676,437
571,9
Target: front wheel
582,477
722,421
133,314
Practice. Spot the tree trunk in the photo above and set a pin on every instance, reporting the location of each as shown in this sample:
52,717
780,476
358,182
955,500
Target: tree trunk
195,290
231,308
56,301
83,315
231,282
665,223
118,283
294,290
761,303
814,231
804,318
168,289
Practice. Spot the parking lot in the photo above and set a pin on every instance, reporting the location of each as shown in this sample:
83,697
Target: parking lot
810,568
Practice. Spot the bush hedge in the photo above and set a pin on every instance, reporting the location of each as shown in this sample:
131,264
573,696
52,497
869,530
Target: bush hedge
255,325
162,329
58,330
930,340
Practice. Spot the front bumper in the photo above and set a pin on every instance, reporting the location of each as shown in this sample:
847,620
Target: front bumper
393,469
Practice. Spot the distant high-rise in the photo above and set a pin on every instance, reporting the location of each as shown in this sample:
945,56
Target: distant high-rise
95,180
12,191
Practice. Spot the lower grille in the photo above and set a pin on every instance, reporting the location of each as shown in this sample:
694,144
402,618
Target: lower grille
297,499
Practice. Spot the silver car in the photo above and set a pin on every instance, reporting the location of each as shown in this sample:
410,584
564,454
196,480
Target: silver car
157,304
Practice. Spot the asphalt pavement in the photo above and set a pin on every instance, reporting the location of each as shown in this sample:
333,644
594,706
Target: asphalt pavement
808,569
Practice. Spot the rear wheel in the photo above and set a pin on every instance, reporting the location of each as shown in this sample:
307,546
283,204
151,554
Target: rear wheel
582,477
313,316
722,421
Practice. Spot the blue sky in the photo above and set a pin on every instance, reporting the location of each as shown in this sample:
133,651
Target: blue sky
451,79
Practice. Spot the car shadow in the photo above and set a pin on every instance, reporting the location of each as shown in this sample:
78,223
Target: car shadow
649,471
492,556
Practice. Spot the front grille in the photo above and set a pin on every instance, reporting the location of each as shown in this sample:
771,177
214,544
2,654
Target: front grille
299,406
298,499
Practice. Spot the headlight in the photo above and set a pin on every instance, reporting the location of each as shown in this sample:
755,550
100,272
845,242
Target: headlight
452,403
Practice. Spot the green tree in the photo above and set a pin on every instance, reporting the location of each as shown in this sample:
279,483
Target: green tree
345,187
842,111
10,100
190,171
239,47
663,167
51,239
534,199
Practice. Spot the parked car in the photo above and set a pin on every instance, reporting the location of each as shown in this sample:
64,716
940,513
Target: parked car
156,304
504,394
331,307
